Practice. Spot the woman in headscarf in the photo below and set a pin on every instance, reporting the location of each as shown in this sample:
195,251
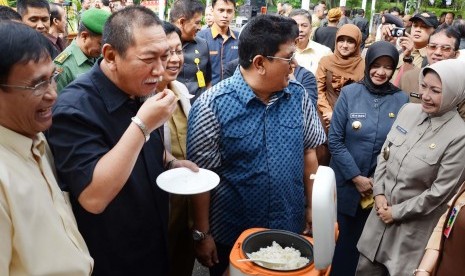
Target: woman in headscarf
362,117
341,68
420,168
334,71
444,255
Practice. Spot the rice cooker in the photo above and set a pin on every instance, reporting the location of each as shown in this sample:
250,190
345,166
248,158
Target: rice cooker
324,212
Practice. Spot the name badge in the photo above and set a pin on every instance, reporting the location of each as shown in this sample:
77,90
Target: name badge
358,115
399,128
451,220
234,47
200,79
213,52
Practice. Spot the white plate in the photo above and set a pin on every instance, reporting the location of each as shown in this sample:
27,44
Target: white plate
183,181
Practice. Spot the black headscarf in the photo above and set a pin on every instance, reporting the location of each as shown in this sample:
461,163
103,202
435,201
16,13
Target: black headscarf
376,50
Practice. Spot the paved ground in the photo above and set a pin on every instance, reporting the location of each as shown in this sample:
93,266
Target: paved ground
200,270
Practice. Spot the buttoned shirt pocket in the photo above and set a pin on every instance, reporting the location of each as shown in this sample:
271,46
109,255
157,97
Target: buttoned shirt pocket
291,129
430,153
426,158
393,148
396,139
242,136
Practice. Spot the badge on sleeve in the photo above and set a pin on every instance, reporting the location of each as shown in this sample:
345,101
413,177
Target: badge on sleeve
451,220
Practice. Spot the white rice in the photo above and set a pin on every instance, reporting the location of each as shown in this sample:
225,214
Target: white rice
275,253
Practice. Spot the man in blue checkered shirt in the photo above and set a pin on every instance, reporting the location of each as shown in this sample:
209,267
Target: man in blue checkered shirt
258,130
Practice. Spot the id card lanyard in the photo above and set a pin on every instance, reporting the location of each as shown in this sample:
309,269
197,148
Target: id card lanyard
199,74
452,218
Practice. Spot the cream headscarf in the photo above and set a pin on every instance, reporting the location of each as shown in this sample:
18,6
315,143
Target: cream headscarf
450,72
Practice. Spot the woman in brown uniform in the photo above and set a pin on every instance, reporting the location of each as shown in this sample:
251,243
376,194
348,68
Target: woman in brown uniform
341,68
444,254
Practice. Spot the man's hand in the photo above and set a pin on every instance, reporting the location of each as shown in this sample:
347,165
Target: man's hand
308,221
407,45
157,109
327,118
205,252
386,31
185,164
364,185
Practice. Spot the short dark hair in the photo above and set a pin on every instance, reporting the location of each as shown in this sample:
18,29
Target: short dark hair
450,32
459,25
7,13
301,12
394,9
24,44
170,28
263,35
186,9
360,11
22,5
118,30
230,1
55,11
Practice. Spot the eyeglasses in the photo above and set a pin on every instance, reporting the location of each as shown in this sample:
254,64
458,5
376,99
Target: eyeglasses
444,48
177,52
288,60
38,89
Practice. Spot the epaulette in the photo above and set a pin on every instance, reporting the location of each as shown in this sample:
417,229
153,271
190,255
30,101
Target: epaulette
62,57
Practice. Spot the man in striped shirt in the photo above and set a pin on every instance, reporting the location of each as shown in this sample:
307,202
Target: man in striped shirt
258,130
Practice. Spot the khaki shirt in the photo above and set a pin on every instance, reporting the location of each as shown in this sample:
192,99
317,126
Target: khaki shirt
418,56
71,63
311,55
39,235
424,170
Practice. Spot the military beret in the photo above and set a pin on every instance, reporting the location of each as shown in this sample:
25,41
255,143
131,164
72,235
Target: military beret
94,20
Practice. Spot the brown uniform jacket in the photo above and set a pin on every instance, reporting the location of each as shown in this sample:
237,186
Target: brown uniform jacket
424,170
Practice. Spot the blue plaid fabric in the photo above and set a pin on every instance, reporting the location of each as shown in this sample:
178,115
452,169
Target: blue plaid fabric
257,149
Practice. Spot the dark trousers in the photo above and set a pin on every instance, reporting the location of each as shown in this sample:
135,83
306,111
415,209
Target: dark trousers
346,254
223,252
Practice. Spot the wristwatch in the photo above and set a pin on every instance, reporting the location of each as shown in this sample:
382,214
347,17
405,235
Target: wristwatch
408,59
136,120
199,235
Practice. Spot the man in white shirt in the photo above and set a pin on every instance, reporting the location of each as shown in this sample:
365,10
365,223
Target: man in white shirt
37,226
308,52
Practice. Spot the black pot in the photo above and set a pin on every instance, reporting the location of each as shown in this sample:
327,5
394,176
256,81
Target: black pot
284,238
